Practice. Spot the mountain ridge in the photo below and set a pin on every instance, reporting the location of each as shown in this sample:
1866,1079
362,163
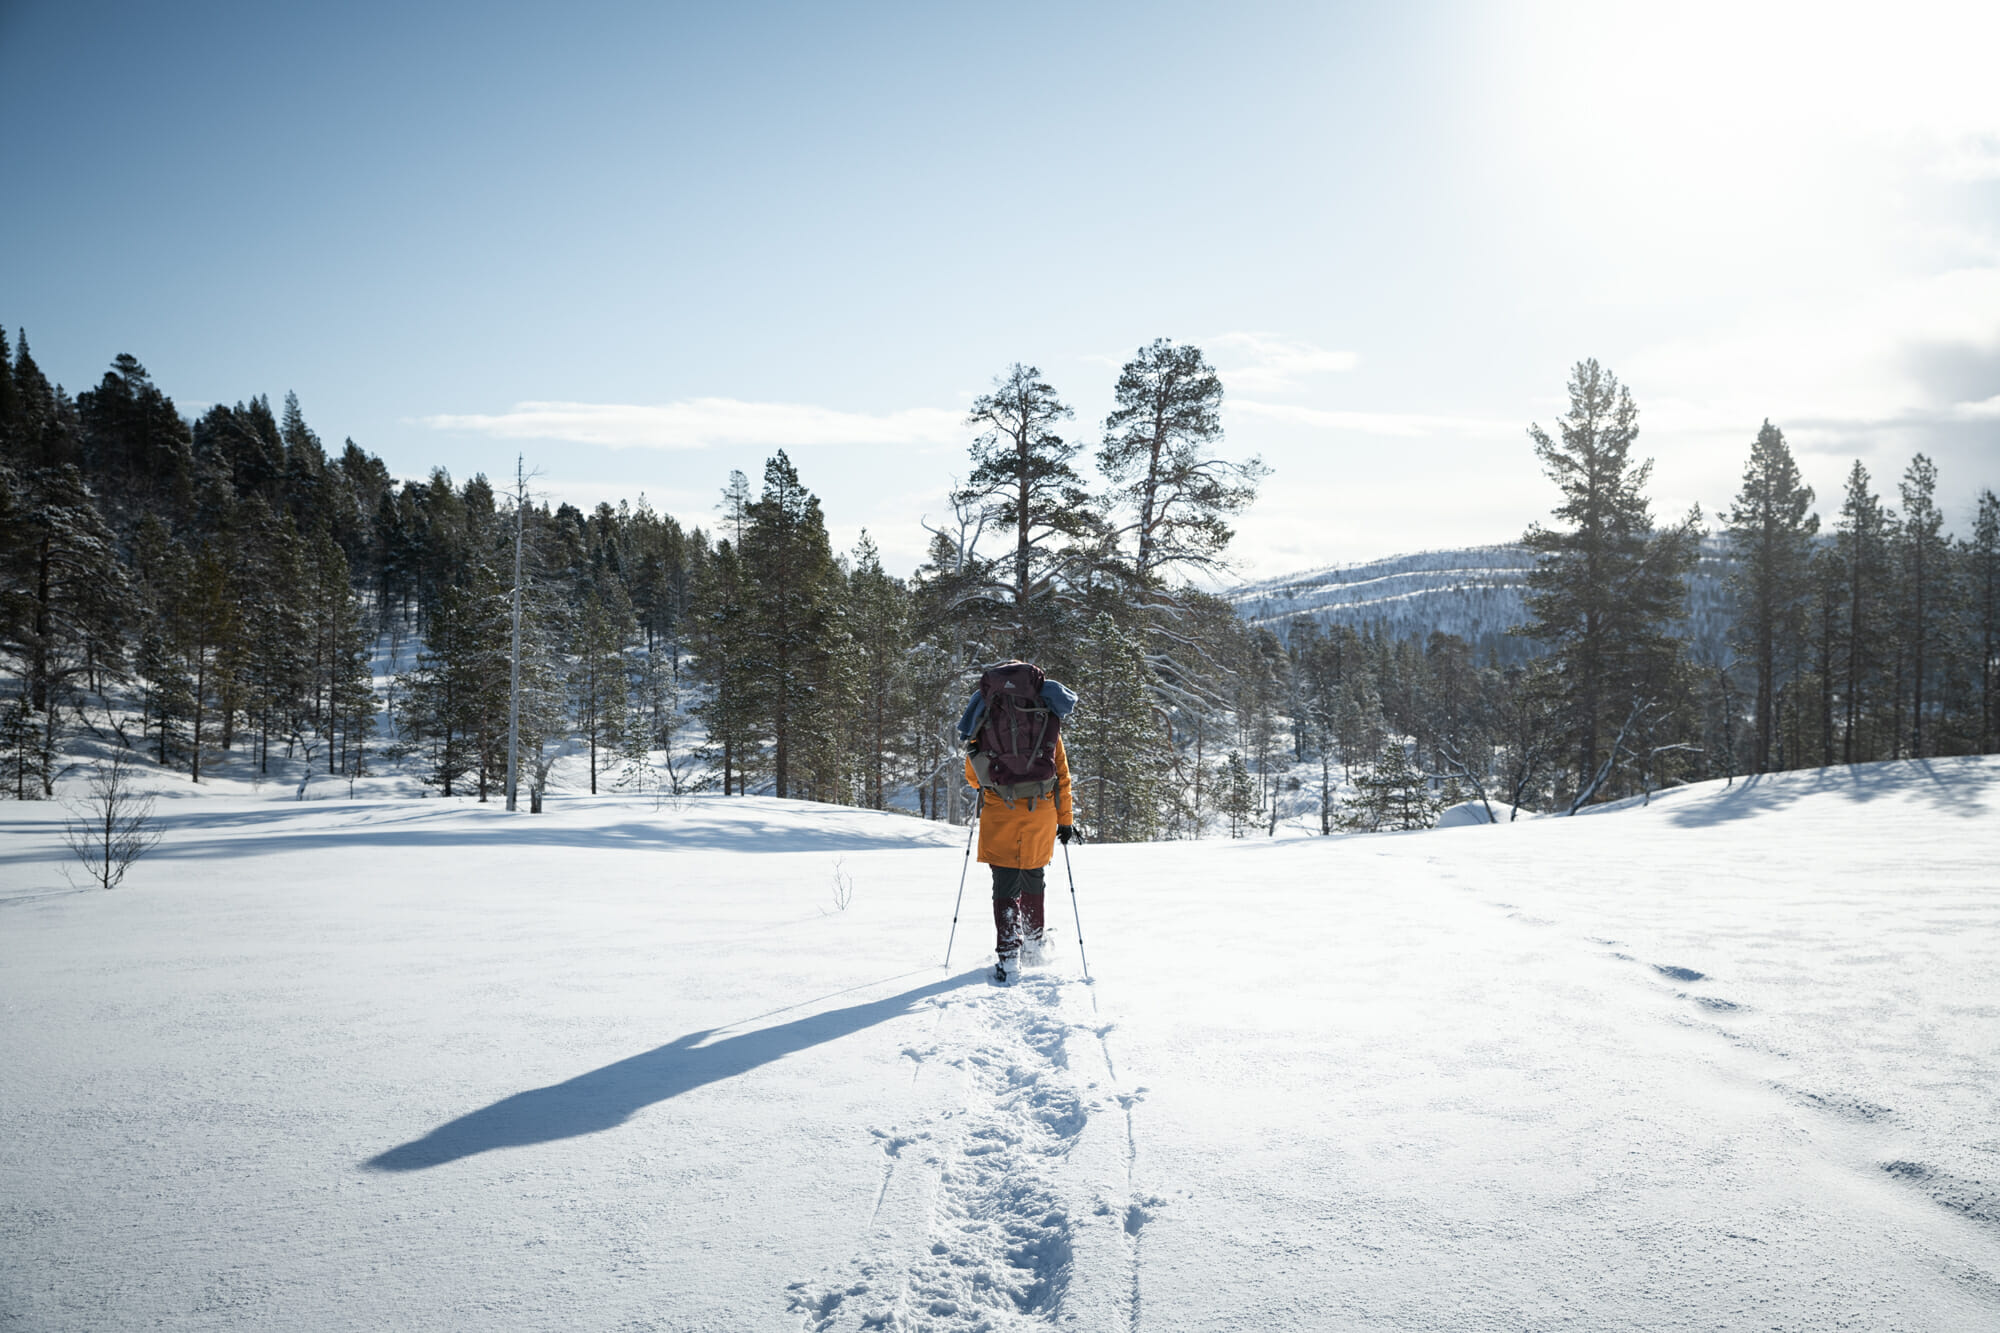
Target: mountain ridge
1478,593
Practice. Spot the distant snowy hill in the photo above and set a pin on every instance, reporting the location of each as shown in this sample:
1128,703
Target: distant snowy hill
1475,592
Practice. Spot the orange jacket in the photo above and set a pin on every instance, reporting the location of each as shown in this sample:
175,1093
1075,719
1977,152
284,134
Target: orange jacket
1024,836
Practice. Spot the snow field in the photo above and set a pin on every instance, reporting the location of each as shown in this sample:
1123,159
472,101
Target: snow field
1728,1061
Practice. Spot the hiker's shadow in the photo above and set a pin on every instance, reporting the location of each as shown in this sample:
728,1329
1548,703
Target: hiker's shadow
605,1098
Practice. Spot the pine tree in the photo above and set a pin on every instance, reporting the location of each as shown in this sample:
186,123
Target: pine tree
353,692
1826,576
62,592
207,624
1321,668
1359,724
277,632
1863,539
1925,571
546,628
1771,528
659,585
737,498
454,700
1023,483
135,444
597,680
1158,451
1983,576
1606,589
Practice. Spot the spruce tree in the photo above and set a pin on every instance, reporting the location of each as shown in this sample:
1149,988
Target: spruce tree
723,602
878,621
21,775
1607,586
305,467
1236,795
794,623
46,434
1392,795
10,400
654,717
1771,528
1113,741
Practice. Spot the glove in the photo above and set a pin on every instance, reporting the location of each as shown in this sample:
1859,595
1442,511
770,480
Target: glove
1064,832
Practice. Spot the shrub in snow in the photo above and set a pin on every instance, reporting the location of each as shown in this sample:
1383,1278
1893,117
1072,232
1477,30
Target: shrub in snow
111,827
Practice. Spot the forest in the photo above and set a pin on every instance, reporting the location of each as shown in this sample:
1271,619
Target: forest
226,584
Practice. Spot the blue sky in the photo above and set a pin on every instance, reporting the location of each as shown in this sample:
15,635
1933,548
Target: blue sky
648,244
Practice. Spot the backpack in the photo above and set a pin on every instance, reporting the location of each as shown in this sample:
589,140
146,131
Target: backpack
1014,754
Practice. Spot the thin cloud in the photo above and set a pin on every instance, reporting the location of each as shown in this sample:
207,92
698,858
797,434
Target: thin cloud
698,423
1268,362
1401,424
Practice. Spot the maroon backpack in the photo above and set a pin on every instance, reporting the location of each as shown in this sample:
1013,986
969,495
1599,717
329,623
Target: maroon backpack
1015,747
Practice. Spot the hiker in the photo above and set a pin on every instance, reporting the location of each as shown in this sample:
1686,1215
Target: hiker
1014,754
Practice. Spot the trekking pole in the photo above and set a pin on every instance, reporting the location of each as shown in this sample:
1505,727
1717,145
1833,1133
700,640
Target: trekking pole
1071,872
961,884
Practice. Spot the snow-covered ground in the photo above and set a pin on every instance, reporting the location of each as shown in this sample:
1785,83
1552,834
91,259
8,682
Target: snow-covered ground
1731,1061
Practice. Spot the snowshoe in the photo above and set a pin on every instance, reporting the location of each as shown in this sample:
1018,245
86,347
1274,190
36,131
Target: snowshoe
1006,970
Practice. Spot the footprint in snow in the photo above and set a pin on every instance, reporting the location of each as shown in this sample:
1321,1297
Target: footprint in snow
893,1144
1679,973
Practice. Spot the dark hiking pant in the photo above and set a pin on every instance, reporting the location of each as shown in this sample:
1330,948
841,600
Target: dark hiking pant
1017,908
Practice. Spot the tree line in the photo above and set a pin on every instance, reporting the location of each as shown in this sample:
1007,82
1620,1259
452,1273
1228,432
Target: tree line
227,584
1877,639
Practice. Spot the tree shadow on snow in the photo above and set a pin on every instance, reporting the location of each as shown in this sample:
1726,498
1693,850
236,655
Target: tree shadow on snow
1962,787
255,833
606,1098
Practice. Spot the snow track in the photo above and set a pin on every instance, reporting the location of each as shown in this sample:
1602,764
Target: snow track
1019,1212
